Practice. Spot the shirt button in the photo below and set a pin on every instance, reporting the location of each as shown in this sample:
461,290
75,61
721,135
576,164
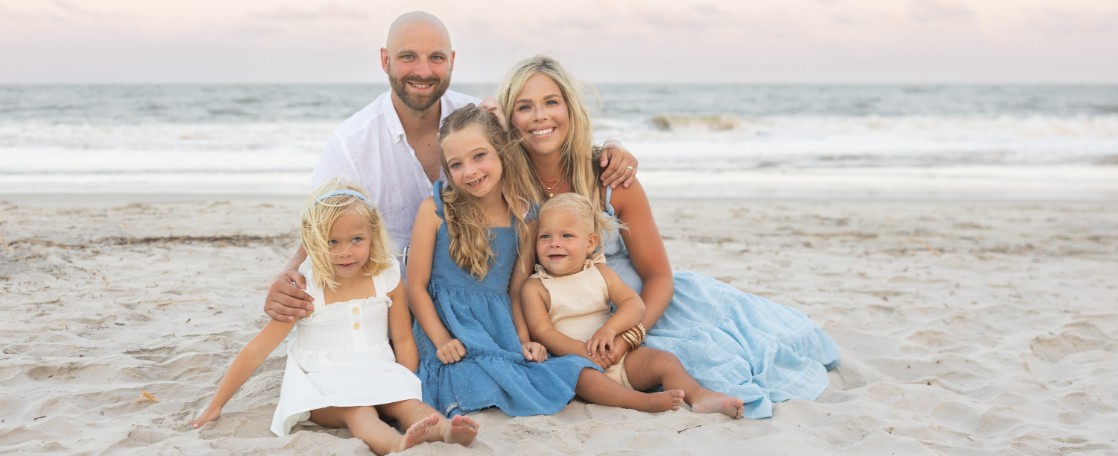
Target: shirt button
355,310
356,326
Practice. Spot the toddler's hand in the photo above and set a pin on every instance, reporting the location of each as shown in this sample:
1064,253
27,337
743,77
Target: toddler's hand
533,351
451,352
207,415
601,343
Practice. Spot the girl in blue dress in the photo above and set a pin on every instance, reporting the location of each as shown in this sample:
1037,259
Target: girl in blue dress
463,263
730,341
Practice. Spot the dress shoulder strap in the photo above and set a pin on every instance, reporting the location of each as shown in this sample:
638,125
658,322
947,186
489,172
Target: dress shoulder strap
437,193
609,207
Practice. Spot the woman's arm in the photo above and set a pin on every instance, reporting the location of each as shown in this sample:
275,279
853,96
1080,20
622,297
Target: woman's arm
420,255
399,329
646,249
247,361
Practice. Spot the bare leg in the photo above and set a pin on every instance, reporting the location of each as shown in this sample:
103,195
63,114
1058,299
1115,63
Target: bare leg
365,424
648,368
461,430
597,388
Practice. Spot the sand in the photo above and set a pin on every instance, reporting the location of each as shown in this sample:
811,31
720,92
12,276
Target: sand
966,327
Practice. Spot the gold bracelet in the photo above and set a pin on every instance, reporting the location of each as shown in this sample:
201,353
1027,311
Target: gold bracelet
629,338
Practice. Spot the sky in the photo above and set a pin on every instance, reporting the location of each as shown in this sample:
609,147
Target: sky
603,41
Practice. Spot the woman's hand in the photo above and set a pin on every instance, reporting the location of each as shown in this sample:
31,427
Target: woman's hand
618,350
533,351
210,414
451,352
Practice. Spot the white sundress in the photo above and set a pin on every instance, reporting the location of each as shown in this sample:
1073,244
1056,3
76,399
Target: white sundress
340,357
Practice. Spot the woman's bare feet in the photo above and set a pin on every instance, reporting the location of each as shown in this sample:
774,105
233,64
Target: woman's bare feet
712,402
664,401
462,430
417,433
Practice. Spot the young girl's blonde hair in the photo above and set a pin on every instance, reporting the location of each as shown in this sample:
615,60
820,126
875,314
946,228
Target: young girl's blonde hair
595,219
578,149
465,221
324,206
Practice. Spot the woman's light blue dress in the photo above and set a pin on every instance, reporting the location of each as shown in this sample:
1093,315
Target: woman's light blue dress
731,341
494,372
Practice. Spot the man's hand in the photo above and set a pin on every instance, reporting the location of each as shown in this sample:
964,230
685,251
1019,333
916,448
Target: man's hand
286,299
619,165
490,104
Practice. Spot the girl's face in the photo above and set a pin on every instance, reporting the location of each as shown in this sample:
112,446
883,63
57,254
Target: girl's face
473,162
564,241
349,244
540,115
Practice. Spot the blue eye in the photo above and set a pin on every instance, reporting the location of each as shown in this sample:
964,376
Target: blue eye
331,243
357,240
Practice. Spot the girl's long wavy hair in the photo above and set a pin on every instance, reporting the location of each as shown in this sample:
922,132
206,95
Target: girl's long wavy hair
465,221
319,216
578,153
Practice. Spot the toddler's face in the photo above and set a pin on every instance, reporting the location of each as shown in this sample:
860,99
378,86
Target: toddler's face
349,244
564,241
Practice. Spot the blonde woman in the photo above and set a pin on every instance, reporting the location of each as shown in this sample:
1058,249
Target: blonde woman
734,342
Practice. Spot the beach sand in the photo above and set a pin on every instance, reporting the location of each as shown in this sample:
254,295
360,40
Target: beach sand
966,327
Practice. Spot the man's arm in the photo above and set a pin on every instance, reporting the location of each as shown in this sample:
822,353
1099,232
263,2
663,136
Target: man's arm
286,299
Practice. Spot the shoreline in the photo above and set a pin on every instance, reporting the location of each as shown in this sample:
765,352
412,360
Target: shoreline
957,183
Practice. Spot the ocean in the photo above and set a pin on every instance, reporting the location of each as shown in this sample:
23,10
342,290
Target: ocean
762,140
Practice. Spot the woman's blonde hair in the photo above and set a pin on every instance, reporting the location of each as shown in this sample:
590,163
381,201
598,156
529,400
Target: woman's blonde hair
465,221
577,155
324,206
581,206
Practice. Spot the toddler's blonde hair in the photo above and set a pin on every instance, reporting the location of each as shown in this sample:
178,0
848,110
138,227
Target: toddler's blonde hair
580,205
318,217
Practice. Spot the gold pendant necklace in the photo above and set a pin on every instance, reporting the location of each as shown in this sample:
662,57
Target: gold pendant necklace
552,186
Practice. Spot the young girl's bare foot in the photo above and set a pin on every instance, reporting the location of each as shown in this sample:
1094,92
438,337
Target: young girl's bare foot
712,402
664,401
462,431
418,432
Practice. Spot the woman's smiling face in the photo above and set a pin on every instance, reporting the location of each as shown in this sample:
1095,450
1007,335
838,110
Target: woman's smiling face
540,115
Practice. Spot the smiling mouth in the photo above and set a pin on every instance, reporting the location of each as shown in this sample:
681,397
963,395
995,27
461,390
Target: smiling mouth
475,183
543,132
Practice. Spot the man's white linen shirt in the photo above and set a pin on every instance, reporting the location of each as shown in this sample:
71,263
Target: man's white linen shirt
370,149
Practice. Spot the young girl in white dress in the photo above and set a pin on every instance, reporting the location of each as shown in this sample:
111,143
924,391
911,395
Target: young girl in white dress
566,307
352,361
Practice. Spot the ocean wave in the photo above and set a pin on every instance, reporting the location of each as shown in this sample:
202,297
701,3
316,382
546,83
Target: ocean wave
695,123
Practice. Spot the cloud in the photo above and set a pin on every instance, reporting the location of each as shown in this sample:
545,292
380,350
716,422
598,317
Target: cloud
939,11
327,11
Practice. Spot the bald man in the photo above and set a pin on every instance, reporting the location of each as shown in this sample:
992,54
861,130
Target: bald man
391,147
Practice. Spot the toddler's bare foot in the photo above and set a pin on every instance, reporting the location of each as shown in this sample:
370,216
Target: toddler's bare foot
462,431
712,402
664,401
418,432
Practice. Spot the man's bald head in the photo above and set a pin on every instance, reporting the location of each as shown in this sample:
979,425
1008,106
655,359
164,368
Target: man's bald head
415,21
418,60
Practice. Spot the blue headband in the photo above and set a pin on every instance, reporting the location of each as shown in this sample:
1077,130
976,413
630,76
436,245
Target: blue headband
352,193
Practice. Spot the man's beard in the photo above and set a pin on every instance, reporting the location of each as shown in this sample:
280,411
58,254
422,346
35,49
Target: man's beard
418,102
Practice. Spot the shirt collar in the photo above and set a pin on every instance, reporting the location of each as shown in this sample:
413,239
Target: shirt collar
396,128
